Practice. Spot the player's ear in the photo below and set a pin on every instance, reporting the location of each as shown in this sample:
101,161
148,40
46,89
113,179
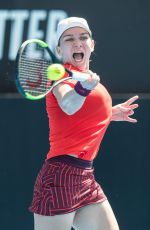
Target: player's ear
92,45
58,50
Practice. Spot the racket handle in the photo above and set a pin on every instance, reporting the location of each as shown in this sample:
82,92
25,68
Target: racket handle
80,76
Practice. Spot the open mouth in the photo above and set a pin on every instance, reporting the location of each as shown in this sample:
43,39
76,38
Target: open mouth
78,56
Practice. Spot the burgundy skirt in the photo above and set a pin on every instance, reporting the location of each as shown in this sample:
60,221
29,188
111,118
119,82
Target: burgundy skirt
63,185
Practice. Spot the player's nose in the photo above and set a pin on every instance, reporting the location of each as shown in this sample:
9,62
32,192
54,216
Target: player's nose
77,43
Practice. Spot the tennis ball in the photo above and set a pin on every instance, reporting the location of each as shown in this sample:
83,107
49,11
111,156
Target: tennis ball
55,72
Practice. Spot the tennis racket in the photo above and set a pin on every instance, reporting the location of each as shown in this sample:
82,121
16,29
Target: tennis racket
33,58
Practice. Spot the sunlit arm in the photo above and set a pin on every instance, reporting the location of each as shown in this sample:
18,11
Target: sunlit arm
69,101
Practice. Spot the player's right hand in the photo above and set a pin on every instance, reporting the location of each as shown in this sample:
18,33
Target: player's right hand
92,81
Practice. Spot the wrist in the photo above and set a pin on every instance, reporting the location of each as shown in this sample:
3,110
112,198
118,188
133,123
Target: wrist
79,89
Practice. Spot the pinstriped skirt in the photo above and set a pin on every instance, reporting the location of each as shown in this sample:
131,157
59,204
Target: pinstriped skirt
63,185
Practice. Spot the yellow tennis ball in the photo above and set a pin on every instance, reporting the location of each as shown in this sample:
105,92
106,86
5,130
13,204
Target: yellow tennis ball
55,72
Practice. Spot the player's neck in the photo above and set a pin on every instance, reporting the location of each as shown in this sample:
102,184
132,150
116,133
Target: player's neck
77,68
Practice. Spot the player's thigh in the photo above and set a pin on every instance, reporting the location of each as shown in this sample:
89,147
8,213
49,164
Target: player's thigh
96,217
58,222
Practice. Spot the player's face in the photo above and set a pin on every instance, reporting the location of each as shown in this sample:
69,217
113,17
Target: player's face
75,47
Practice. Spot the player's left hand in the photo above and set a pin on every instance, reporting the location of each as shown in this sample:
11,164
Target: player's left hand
123,111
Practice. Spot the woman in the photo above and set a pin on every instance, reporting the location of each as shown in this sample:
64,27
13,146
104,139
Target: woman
66,194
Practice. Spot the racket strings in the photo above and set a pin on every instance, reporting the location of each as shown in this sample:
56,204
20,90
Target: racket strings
33,74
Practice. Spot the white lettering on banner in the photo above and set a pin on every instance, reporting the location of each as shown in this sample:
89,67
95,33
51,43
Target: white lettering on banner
3,17
33,18
17,27
53,17
34,32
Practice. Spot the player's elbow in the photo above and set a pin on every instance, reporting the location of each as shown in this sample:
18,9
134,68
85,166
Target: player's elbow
70,112
68,108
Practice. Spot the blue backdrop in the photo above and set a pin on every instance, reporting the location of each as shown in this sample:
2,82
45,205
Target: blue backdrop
122,165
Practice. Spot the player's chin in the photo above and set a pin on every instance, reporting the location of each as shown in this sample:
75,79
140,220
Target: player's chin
80,64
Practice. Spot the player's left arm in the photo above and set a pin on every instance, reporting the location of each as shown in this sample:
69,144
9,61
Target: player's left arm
123,111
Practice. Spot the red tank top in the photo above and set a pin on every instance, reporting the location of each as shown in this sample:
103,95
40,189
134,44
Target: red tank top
81,133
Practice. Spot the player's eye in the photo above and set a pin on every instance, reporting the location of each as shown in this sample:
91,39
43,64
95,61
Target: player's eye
69,39
84,38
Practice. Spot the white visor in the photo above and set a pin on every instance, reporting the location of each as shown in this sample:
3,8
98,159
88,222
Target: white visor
67,23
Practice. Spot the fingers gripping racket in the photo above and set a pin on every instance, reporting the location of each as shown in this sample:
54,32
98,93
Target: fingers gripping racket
34,57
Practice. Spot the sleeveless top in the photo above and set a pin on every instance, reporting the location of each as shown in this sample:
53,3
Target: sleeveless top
81,133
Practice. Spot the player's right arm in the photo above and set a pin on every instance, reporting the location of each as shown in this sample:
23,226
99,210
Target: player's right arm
68,99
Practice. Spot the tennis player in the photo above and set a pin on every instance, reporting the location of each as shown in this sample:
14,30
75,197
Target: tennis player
66,194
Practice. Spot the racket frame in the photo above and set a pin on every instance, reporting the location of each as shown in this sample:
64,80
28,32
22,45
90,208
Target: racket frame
54,60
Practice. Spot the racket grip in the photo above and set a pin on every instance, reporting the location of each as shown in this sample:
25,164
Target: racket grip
80,76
